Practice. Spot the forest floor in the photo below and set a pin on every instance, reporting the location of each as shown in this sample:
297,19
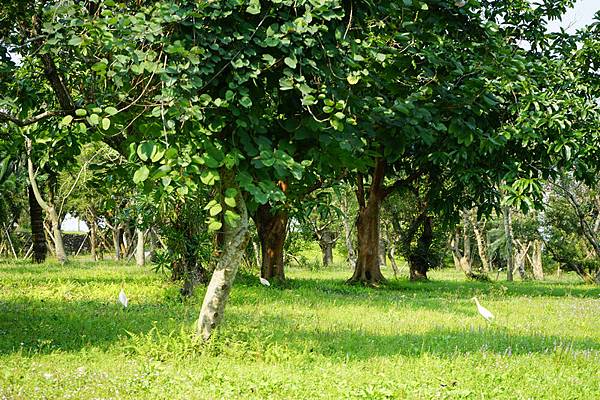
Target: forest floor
64,335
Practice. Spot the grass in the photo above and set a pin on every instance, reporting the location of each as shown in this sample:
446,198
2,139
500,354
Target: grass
63,335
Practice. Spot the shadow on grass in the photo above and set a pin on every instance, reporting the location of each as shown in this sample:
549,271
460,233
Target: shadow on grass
42,326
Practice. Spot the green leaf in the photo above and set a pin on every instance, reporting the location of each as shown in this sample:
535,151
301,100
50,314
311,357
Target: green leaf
230,201
214,225
111,110
66,120
254,7
215,210
80,112
353,79
246,101
231,218
105,123
141,174
291,62
145,150
94,119
75,41
209,177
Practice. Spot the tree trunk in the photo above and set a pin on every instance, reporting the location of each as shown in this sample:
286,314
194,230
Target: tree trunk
217,293
367,268
93,238
59,247
382,251
536,262
116,235
391,252
520,257
419,261
508,232
326,243
481,246
271,226
347,231
37,229
139,248
49,208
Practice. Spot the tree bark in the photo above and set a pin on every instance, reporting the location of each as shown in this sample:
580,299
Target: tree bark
217,293
419,260
481,245
49,208
139,248
271,226
508,233
326,242
520,257
347,231
367,270
116,235
536,262
37,229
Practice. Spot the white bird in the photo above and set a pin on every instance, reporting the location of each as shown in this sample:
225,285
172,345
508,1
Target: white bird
485,313
460,3
264,282
123,298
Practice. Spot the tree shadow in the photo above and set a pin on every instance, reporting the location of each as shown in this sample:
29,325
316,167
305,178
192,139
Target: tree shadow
44,326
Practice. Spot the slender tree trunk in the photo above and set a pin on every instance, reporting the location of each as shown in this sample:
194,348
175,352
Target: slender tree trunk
256,248
536,262
508,232
271,226
481,247
391,252
347,231
37,229
217,293
93,234
367,268
139,248
467,240
382,251
117,241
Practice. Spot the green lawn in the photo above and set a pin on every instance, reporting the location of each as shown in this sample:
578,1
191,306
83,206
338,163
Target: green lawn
63,335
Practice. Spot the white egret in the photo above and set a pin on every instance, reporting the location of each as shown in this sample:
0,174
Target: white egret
123,298
485,313
264,282
460,3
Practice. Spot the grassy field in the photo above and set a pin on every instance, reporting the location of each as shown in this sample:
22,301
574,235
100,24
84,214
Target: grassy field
63,335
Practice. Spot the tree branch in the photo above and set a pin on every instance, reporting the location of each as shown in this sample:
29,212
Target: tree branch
6,117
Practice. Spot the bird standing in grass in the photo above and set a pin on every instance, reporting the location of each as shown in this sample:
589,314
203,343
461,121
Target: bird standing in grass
485,313
123,298
264,282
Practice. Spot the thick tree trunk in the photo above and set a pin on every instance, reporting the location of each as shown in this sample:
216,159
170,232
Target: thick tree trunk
536,261
419,261
508,232
520,257
139,248
367,268
49,208
326,242
37,229
271,226
217,293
